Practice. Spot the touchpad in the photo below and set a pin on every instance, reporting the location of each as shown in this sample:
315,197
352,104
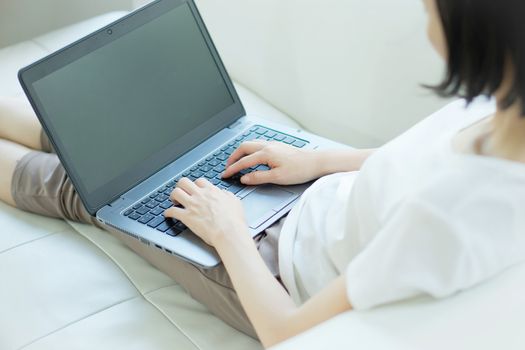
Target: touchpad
265,202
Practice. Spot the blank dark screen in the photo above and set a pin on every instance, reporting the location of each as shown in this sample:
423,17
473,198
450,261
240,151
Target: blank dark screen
126,101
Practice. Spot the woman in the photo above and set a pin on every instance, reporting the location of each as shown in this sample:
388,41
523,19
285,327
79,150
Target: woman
433,212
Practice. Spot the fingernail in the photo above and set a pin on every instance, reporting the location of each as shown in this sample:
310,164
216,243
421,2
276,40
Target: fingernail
244,179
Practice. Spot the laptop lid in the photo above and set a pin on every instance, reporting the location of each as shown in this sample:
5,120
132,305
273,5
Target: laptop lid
129,99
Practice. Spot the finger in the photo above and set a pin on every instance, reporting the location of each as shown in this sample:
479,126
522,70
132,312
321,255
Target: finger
244,149
244,163
179,196
259,178
203,183
175,213
187,185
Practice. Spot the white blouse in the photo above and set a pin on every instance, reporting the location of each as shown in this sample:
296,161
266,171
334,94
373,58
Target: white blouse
417,219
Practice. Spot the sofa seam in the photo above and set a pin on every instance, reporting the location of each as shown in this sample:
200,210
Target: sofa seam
33,240
78,320
143,295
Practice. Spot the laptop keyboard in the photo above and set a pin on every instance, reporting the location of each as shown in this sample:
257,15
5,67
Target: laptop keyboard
150,210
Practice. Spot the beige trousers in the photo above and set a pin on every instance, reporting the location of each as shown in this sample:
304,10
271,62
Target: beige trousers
40,185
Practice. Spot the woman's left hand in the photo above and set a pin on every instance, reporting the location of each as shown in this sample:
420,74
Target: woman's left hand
211,213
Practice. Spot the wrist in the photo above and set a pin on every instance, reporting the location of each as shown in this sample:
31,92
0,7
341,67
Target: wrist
238,233
337,161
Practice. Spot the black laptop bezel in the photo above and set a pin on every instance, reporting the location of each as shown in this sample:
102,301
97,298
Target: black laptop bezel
111,191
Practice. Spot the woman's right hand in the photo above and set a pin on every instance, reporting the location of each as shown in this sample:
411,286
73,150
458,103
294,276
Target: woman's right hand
288,165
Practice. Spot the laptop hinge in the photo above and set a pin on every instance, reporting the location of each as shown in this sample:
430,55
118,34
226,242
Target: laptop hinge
116,202
235,124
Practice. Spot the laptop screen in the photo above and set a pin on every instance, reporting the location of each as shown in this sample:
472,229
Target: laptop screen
116,108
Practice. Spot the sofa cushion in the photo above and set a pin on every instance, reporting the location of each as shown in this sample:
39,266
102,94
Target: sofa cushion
75,286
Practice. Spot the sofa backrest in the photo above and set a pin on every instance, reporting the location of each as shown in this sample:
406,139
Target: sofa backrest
21,20
347,69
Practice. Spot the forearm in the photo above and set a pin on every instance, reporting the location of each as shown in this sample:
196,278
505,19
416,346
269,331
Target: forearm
266,302
271,310
342,160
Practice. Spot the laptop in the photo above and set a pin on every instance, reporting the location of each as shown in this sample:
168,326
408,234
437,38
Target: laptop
141,103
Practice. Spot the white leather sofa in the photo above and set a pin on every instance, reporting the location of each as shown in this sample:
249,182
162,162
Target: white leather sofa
69,286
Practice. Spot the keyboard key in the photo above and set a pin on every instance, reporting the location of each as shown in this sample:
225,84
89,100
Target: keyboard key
166,225
142,210
229,151
128,212
166,205
251,137
162,198
146,201
152,204
210,175
222,156
153,195
205,168
157,221
146,218
279,137
263,167
180,226
219,168
173,232
197,174
209,158
157,211
213,162
193,168
261,131
134,216
289,140
271,134
225,184
215,181
299,144
201,163
136,206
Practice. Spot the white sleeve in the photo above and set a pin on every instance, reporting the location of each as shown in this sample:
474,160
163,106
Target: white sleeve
425,250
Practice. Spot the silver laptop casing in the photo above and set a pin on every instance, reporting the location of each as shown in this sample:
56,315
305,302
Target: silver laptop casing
187,245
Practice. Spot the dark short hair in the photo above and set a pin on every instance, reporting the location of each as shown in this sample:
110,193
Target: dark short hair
483,37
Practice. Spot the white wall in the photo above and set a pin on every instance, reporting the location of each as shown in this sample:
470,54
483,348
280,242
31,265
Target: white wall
347,69
24,19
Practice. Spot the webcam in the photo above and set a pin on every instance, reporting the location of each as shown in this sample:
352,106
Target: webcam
109,31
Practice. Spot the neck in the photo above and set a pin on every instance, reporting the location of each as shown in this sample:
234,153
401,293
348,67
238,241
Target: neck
507,137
